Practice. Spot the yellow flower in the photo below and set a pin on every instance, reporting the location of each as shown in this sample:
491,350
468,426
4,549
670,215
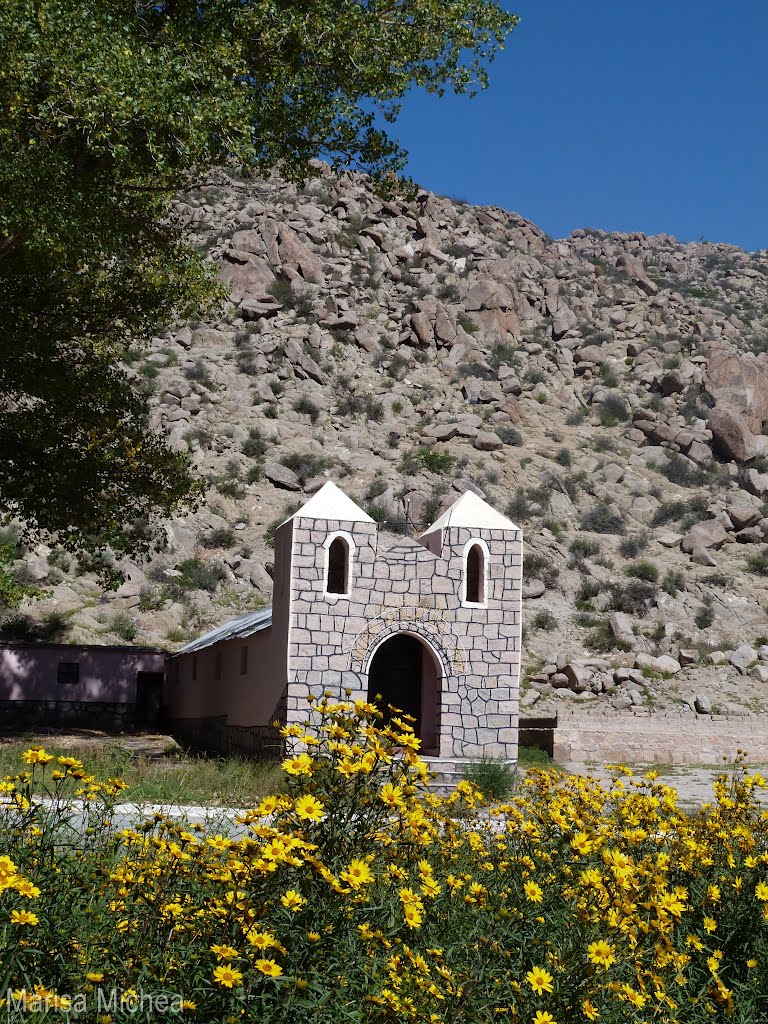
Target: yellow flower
224,952
260,940
543,1017
413,916
358,873
581,843
591,1012
219,842
36,755
301,764
95,976
269,967
761,891
227,976
601,953
533,892
24,917
709,925
309,809
540,980
292,900
392,796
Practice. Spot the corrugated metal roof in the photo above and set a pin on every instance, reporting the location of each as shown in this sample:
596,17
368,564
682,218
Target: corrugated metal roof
243,626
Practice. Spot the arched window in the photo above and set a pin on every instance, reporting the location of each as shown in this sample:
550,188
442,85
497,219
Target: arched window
338,567
475,575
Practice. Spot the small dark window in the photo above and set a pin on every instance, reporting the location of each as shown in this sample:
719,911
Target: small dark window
243,660
475,575
194,666
338,567
69,673
218,665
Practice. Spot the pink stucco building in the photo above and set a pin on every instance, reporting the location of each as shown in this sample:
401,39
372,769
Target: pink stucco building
116,688
432,625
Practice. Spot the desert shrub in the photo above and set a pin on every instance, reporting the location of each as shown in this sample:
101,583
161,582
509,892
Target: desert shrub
199,575
673,583
494,778
502,354
630,547
150,599
643,570
122,625
581,548
307,407
376,487
758,563
519,508
218,537
465,320
375,896
200,434
613,409
544,620
601,518
600,637
427,458
635,597
448,292
351,404
587,592
671,511
255,446
510,436
305,464
198,371
573,419
705,616
20,627
564,458
540,567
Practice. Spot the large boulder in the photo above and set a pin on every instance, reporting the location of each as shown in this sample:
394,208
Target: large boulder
740,384
731,437
633,267
707,534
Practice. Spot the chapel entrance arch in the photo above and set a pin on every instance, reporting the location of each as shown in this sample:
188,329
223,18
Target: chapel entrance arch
406,673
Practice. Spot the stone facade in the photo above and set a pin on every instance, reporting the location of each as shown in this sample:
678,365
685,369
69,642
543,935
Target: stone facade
414,589
431,627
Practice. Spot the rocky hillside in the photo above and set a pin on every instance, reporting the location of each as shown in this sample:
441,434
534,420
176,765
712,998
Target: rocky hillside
608,391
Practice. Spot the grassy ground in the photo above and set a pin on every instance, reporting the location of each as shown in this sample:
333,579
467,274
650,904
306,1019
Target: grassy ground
181,778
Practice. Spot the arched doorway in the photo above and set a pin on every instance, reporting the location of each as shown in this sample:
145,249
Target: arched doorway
404,671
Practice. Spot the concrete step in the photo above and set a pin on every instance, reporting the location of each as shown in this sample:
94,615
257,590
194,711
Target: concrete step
448,771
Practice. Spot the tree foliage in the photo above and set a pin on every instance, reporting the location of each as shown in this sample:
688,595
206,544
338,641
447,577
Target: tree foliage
107,108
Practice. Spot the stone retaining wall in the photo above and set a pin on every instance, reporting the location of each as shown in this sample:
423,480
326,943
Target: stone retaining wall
82,714
658,738
216,736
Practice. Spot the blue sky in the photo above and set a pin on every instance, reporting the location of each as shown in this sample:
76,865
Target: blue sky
624,116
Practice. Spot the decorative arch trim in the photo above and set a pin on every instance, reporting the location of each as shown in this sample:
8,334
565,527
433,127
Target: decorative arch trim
442,643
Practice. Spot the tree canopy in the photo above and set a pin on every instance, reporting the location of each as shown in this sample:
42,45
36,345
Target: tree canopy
107,108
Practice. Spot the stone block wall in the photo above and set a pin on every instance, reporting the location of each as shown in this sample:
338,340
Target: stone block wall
410,589
660,738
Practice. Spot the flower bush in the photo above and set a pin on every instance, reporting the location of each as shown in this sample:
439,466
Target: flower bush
357,895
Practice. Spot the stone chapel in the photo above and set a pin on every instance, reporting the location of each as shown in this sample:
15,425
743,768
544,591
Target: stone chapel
431,625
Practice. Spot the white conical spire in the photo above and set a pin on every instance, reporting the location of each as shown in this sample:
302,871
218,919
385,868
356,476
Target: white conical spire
471,511
330,502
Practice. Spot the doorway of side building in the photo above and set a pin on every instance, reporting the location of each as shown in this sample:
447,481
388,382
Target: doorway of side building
149,687
404,671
